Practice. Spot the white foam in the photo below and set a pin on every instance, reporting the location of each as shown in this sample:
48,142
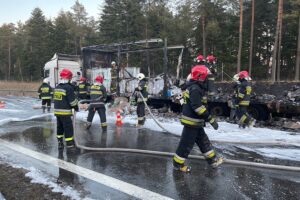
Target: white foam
14,119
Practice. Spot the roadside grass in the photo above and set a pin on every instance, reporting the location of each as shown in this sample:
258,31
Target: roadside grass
15,85
16,88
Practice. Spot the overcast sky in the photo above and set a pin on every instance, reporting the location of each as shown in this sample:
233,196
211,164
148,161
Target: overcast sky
11,11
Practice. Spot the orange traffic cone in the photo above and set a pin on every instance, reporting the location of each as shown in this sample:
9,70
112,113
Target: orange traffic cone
2,104
119,119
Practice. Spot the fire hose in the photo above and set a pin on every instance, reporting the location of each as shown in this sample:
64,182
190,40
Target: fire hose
169,154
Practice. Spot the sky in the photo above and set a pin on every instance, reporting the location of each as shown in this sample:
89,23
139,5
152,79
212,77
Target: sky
12,11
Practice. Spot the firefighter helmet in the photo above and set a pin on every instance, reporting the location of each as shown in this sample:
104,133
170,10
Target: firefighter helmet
140,76
99,79
66,74
211,59
243,75
200,58
199,73
113,63
46,80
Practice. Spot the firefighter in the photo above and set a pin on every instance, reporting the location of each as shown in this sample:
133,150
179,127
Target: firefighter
98,97
83,88
114,77
194,116
244,90
234,99
64,102
142,89
45,94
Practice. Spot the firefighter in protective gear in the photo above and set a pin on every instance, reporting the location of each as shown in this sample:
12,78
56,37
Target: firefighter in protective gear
83,88
142,89
114,77
234,104
244,90
194,116
64,102
98,97
45,94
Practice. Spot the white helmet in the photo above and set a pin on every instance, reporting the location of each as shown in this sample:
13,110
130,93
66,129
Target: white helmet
236,78
113,63
140,76
188,78
46,80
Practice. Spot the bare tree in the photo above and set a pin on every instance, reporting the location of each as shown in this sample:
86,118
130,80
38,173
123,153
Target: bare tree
251,37
279,42
298,55
203,35
275,47
240,37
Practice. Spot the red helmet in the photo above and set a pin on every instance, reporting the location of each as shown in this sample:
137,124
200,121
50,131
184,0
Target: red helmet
83,79
199,73
66,74
211,58
200,58
243,75
99,79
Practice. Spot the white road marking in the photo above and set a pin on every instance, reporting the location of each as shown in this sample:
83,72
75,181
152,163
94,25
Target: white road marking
111,182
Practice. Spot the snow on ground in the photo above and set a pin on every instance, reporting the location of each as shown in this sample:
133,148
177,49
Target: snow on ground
38,176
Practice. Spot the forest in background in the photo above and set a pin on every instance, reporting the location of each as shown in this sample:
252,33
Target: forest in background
264,36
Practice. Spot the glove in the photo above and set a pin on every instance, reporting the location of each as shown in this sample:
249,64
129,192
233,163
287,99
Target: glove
76,108
136,89
132,102
213,122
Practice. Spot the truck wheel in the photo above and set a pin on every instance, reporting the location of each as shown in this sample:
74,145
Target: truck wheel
217,111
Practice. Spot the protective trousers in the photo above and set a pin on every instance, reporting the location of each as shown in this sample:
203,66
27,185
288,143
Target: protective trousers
46,102
189,137
65,129
244,118
141,113
102,115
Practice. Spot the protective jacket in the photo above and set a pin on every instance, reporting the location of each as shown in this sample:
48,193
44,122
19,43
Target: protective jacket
64,99
244,92
98,95
194,111
83,90
143,88
45,91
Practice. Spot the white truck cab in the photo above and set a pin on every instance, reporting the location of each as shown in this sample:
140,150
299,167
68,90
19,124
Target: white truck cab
59,62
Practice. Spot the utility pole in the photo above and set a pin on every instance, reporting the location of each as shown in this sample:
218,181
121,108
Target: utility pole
165,90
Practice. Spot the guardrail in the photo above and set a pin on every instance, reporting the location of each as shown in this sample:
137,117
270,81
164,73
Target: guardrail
17,92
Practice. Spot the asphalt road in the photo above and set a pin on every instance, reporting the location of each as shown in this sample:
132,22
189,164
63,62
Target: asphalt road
151,173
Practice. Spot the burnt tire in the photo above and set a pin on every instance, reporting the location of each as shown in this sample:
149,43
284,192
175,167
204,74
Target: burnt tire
217,111
259,112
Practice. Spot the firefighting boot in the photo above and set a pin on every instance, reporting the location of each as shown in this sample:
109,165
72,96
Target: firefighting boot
212,159
88,125
48,109
104,126
178,165
44,109
60,144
